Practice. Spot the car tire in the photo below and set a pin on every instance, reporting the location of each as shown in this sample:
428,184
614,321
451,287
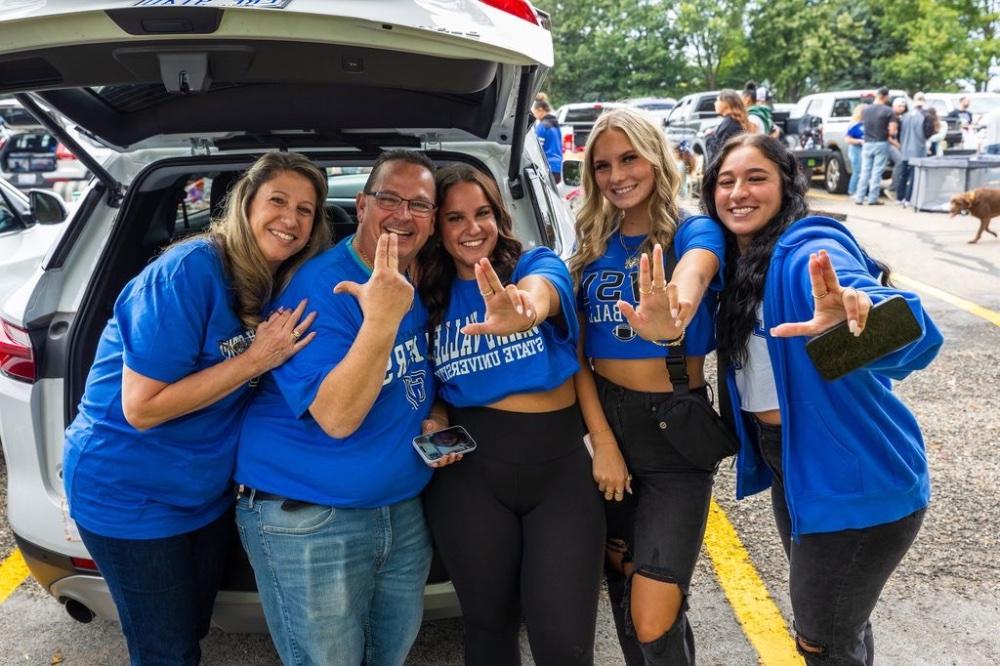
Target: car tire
835,174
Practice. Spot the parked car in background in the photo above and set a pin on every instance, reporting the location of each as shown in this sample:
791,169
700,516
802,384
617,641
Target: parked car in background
25,234
821,120
576,120
658,108
980,103
129,76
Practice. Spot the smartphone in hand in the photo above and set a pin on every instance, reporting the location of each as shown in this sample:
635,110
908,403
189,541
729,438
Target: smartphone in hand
891,326
435,445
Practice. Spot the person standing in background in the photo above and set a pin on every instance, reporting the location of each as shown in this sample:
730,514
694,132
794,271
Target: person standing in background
549,135
855,138
879,122
913,143
991,143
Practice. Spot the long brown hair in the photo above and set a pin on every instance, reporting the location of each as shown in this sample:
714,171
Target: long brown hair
437,267
252,282
597,220
737,110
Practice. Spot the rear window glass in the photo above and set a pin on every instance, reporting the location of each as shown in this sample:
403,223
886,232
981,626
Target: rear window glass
33,143
16,116
585,115
706,104
844,107
137,96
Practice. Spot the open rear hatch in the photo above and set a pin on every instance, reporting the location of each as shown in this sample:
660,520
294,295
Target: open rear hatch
301,73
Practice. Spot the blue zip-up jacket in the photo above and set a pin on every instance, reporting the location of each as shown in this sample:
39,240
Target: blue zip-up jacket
852,453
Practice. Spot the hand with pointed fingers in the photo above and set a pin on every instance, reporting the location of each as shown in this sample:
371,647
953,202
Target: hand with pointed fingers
508,309
388,295
280,336
832,303
661,314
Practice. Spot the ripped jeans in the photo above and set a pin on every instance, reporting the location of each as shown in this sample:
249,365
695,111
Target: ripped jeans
835,578
661,525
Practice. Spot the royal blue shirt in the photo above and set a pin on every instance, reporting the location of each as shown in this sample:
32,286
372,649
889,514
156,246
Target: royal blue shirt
482,369
550,136
606,280
852,453
283,450
173,319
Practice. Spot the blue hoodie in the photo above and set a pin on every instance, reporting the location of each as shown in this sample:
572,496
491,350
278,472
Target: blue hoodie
852,453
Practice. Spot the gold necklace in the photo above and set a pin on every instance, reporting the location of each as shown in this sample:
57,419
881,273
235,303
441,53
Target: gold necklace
361,253
631,258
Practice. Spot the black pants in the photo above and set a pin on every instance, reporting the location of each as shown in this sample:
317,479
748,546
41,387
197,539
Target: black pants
835,578
662,523
519,527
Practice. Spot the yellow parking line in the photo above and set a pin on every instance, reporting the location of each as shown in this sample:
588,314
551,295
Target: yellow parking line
968,306
753,606
827,196
13,571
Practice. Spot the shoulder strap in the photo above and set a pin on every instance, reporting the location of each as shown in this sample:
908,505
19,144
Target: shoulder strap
676,363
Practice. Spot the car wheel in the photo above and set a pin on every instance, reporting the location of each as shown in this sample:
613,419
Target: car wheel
835,174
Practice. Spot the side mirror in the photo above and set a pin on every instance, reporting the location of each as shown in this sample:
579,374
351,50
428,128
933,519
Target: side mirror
571,172
46,207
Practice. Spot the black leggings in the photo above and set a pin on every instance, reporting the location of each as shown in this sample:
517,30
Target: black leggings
520,528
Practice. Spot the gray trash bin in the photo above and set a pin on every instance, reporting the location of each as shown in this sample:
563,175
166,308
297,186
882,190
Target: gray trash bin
937,179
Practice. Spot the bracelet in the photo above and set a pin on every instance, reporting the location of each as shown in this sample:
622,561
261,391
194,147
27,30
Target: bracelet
670,343
534,320
599,432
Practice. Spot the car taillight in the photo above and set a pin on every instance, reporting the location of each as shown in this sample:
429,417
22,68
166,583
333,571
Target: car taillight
17,358
83,563
569,145
3,141
519,8
63,153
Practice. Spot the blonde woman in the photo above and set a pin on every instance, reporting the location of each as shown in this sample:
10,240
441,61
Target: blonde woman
855,138
735,121
656,499
148,459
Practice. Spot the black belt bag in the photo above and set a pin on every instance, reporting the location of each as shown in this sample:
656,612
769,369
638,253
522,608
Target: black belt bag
690,423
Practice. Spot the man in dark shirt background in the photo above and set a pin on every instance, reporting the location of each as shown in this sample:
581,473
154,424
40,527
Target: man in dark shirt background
879,123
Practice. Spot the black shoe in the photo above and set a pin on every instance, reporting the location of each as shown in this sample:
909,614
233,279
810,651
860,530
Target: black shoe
876,203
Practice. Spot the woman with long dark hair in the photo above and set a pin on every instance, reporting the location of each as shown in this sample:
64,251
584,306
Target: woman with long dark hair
849,492
518,522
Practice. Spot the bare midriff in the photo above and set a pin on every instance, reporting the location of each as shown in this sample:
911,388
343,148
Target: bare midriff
770,416
560,397
648,375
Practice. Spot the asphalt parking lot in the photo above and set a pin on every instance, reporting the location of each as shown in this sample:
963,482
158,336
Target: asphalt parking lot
941,607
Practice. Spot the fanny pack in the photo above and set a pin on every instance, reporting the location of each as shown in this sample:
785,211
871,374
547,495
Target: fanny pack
687,420
690,423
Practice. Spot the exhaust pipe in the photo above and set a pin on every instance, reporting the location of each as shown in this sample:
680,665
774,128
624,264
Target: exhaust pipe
79,611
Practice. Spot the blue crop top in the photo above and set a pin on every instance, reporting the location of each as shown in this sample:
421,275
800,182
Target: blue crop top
477,370
605,281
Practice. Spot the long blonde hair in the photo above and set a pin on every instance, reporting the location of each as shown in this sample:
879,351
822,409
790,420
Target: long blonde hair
597,219
244,263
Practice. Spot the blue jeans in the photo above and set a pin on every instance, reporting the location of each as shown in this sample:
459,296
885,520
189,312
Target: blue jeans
905,187
993,149
874,157
338,586
854,155
164,589
835,578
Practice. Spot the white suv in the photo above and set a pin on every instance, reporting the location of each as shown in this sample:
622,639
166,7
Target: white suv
190,96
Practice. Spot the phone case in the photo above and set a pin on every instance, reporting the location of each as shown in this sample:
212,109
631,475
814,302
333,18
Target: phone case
430,450
891,326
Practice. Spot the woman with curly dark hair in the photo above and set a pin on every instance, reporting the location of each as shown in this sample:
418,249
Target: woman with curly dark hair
518,523
848,492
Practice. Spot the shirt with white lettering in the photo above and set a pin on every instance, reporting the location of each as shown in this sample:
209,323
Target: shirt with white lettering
283,450
475,370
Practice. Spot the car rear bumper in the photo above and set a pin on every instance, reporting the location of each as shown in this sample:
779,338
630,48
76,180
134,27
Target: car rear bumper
236,611
812,159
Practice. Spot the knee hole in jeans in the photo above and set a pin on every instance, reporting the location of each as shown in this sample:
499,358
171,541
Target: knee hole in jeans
659,607
804,645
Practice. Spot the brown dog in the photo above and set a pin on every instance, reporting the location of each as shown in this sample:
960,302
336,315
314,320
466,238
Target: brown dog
981,202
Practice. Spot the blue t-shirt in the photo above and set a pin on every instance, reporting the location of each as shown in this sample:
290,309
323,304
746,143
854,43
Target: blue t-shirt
856,130
605,281
482,369
550,136
282,448
172,320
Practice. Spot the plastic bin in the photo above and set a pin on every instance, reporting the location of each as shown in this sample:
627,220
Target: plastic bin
937,179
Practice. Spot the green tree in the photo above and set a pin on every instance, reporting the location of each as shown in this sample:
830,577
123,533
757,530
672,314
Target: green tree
714,38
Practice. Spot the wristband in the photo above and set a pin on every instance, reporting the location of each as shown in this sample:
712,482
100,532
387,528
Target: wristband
670,343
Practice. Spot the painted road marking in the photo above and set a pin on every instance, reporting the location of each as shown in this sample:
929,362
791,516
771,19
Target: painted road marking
968,306
13,572
755,610
827,196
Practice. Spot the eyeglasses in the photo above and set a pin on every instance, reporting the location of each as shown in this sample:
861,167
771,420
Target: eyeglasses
389,201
